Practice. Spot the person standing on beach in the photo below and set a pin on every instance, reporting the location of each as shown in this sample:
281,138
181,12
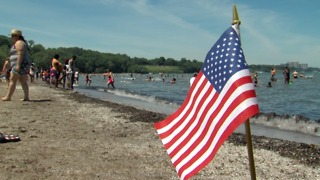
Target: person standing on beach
76,77
20,64
295,74
68,74
32,72
56,69
64,76
273,73
88,80
110,78
72,70
286,74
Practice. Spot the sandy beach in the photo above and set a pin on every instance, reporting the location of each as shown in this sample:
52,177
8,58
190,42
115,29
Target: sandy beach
66,135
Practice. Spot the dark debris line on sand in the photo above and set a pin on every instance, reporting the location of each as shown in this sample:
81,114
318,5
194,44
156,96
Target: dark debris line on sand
304,153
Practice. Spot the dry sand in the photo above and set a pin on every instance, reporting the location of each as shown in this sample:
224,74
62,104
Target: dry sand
66,135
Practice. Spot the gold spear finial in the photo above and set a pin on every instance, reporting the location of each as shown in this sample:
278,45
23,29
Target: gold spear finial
236,19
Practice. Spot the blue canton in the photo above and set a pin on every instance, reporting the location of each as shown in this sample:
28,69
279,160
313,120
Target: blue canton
224,59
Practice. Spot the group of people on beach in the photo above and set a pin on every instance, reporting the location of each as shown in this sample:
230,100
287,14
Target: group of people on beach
64,74
18,66
286,74
59,73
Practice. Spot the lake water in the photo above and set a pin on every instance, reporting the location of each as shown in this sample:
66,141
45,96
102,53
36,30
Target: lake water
291,103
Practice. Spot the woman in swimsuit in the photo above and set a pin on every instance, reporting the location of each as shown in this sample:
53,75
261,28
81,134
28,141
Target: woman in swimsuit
20,65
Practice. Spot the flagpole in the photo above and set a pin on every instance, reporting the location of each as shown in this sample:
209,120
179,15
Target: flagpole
236,21
250,150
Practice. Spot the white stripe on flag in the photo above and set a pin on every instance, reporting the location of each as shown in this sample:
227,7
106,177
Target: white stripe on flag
247,103
169,126
215,105
190,115
216,120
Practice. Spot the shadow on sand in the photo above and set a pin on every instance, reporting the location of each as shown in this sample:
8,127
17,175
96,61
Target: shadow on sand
40,100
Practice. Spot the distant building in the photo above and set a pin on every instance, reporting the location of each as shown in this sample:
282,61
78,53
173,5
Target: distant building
303,66
295,65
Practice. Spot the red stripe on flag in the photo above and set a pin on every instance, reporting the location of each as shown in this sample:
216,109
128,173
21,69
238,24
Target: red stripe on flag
211,112
208,106
169,119
199,121
187,126
198,117
174,116
213,134
245,114
212,116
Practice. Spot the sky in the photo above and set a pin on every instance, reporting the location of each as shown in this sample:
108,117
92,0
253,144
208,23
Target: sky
272,32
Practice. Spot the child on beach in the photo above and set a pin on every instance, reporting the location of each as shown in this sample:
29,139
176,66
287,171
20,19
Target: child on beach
88,80
110,78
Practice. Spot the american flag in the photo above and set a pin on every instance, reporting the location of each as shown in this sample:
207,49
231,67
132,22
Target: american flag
220,99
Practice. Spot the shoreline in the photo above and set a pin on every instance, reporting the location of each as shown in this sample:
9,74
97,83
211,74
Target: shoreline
262,124
68,135
237,138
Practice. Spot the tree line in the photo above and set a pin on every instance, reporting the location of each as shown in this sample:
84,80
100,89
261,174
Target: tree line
90,61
